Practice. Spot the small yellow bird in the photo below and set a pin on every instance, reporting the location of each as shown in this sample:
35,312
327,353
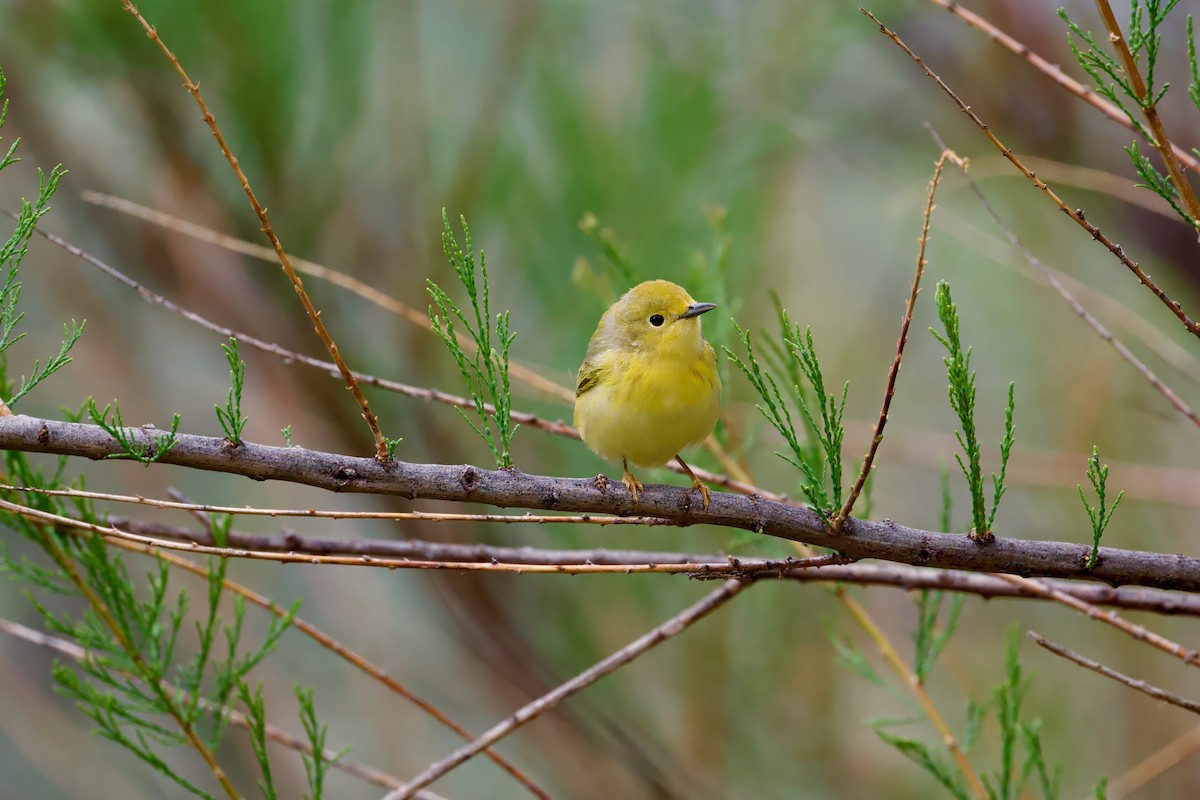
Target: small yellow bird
648,386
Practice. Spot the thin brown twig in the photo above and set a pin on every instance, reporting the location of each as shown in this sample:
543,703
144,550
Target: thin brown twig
110,532
314,316
1120,623
531,711
555,427
839,518
423,516
319,271
1149,375
1054,72
1108,672
1155,764
1149,106
711,566
273,732
1077,215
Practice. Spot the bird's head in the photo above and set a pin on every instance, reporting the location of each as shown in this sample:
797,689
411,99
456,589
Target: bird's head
660,316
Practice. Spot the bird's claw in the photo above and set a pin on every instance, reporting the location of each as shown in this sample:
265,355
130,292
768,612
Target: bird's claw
632,484
705,492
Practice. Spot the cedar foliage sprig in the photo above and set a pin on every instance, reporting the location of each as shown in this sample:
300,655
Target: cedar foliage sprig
486,370
1100,514
1113,82
819,457
961,392
230,417
12,252
146,452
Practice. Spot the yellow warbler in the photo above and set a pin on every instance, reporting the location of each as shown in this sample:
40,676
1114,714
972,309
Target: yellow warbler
648,386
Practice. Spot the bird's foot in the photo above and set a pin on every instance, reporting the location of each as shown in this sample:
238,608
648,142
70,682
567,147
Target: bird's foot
631,483
697,485
705,492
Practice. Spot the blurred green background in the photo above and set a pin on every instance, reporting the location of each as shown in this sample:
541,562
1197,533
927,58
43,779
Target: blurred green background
358,121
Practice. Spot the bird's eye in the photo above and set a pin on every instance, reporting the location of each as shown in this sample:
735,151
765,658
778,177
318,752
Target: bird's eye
657,320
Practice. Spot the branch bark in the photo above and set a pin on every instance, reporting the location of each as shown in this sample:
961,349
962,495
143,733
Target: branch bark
884,540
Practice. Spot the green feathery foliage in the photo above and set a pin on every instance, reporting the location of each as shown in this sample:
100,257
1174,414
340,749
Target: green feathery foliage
1113,83
12,252
230,417
256,717
1101,514
928,640
316,765
486,370
1010,779
819,459
961,392
148,452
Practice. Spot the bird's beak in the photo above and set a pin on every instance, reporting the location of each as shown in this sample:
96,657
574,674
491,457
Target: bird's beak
696,309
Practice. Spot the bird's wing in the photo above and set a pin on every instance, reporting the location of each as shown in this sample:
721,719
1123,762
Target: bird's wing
595,367
591,375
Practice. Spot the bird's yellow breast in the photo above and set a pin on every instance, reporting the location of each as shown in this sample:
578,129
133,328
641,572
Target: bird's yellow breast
647,408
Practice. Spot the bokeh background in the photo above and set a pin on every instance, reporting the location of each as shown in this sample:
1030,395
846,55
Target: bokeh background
358,121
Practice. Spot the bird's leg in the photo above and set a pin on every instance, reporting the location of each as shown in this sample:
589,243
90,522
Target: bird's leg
696,484
631,483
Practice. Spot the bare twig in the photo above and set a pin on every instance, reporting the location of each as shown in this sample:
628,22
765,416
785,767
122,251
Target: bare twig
1076,214
1109,672
1149,107
1054,72
1120,623
672,627
423,516
319,271
1166,391
877,431
314,316
112,533
1155,764
711,566
510,488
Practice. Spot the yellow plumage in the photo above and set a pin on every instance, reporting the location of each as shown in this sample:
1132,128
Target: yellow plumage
648,386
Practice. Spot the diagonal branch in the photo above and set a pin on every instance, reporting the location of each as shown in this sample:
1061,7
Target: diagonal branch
1075,214
1057,285
1137,632
531,711
877,431
1119,677
511,488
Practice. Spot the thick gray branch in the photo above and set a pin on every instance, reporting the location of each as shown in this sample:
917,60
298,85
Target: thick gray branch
885,540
